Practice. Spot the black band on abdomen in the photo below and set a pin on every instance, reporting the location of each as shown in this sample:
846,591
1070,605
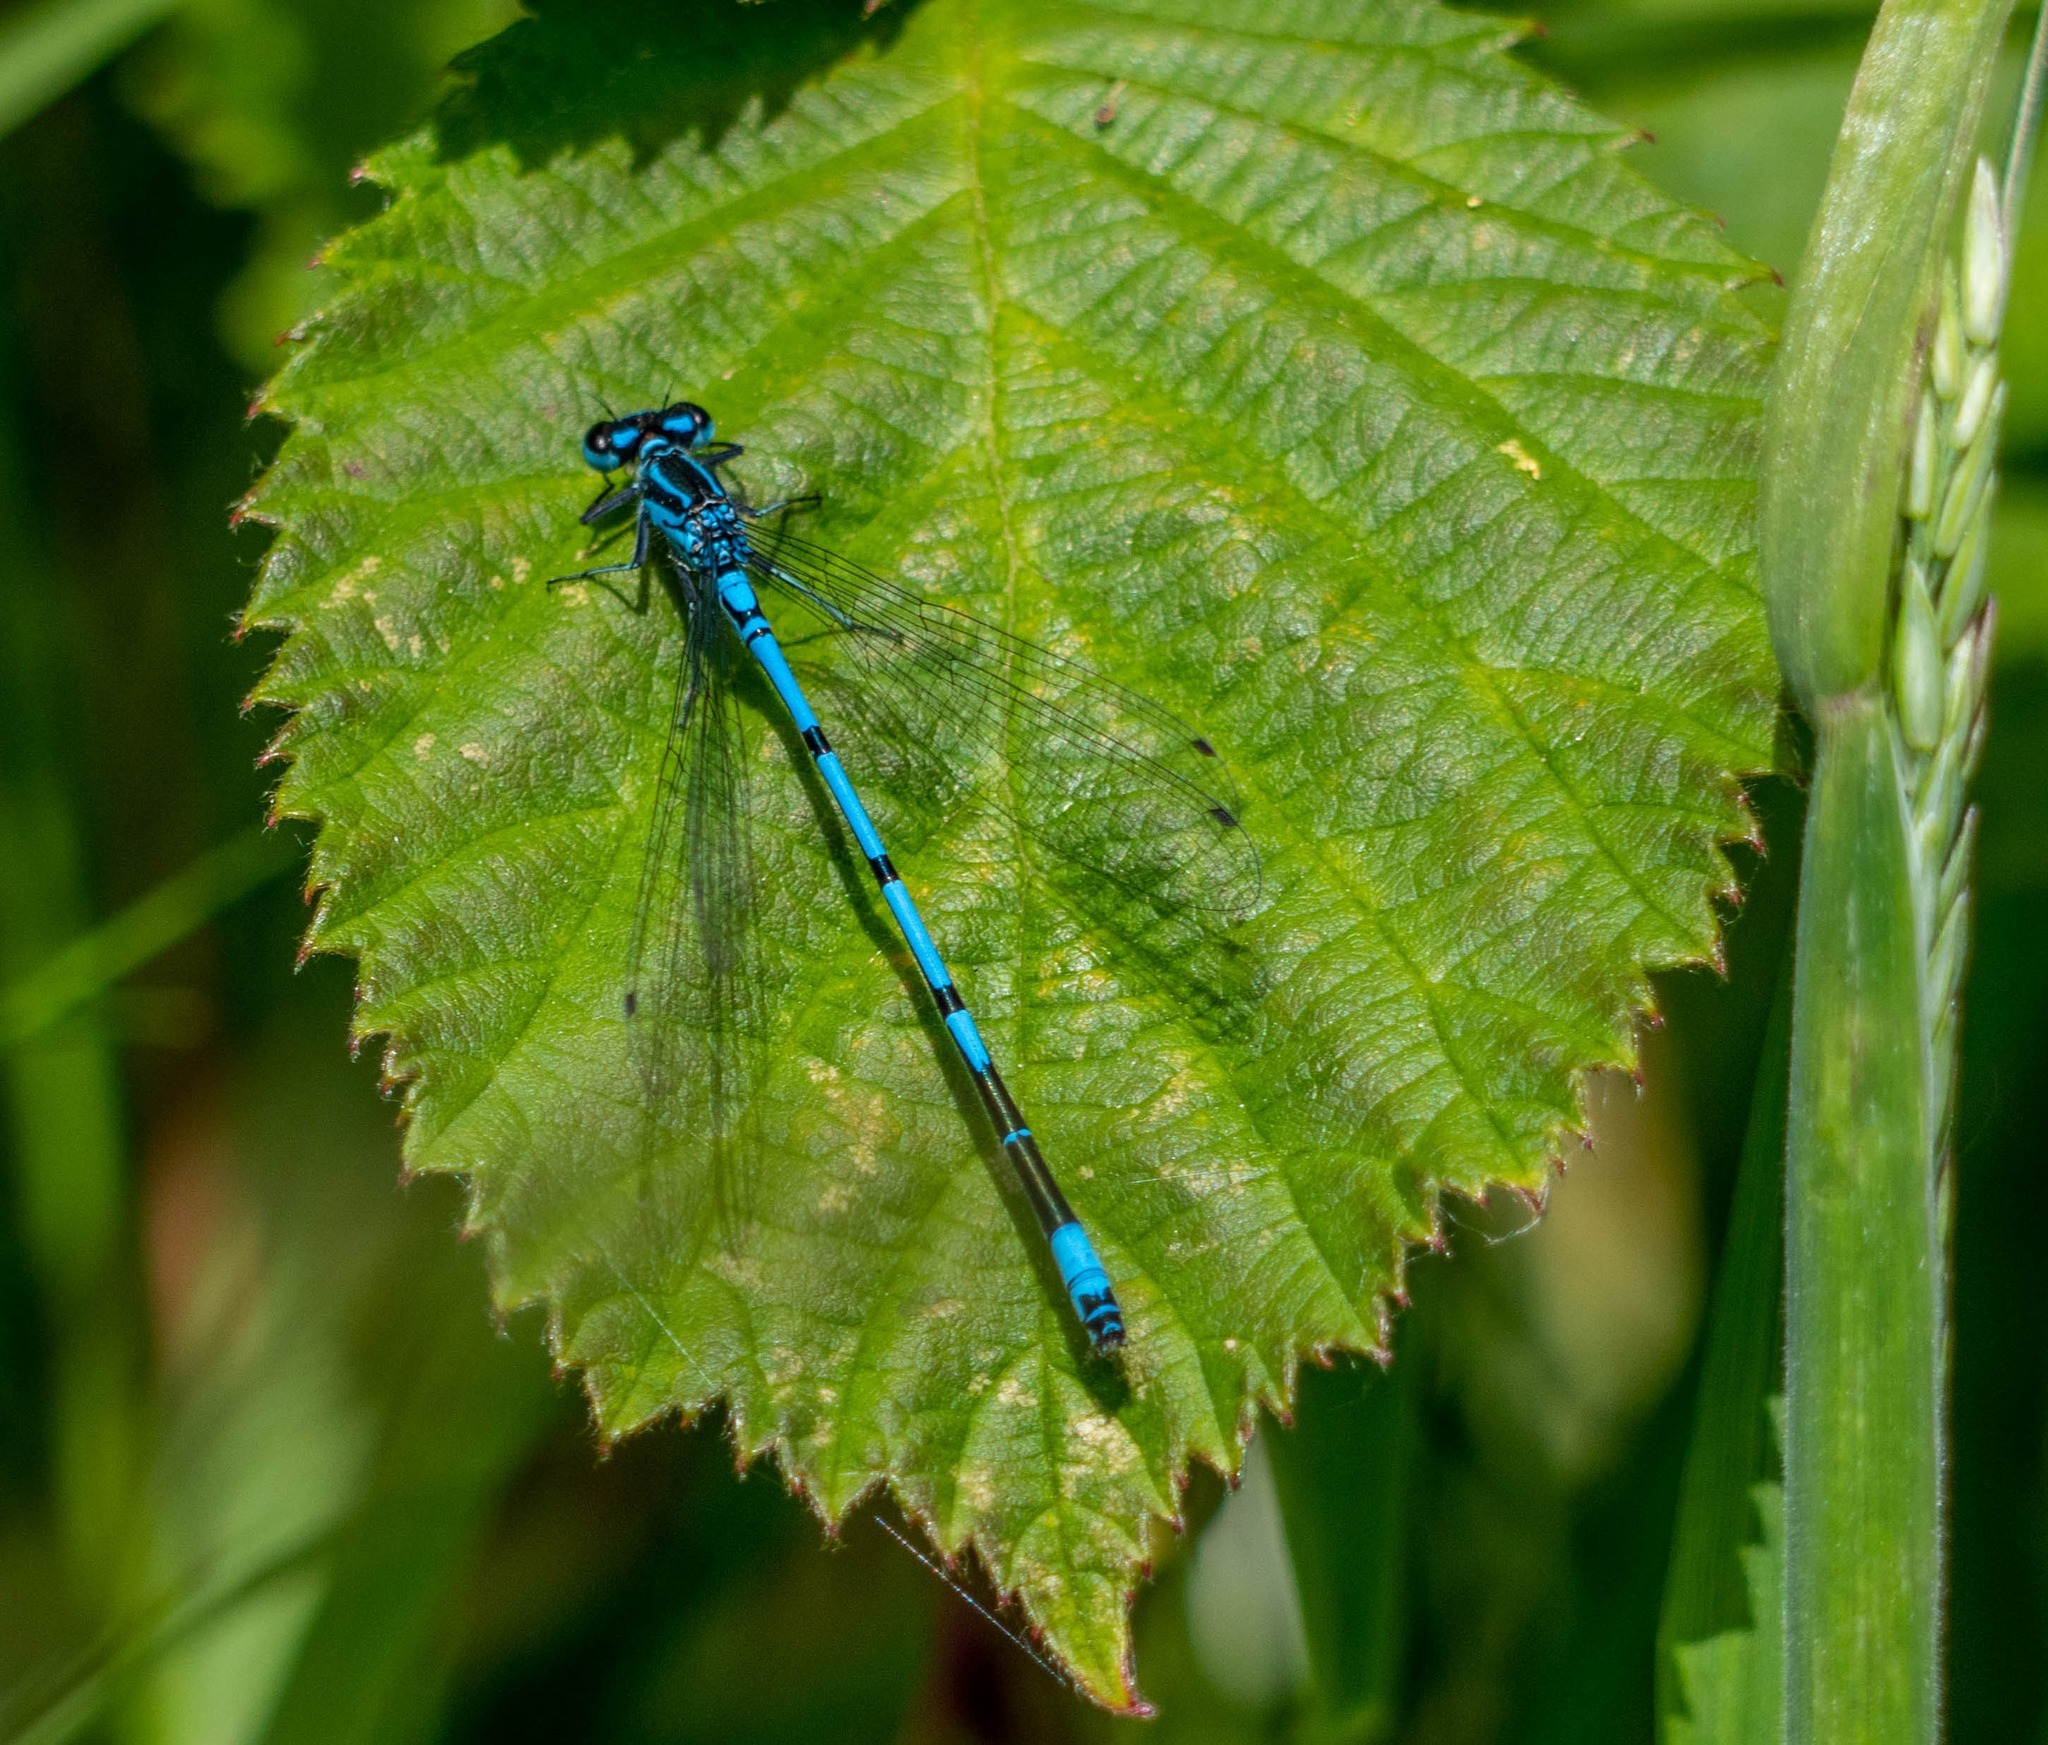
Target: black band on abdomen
1048,1204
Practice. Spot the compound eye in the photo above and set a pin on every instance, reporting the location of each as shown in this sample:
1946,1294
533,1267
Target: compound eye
610,444
686,425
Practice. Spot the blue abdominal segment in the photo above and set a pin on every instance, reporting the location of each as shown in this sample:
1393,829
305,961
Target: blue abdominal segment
1087,1284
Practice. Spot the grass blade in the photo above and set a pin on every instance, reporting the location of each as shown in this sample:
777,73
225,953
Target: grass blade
1705,1594
95,961
1343,1473
48,48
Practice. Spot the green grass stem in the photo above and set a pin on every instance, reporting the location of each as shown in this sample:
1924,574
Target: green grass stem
1864,1271
1880,475
91,964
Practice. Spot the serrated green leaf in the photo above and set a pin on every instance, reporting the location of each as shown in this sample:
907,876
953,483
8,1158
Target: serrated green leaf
1319,371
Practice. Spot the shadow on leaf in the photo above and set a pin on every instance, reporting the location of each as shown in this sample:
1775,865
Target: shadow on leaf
646,71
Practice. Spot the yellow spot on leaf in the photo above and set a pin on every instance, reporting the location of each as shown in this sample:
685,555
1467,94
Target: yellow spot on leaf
1525,462
345,588
977,1488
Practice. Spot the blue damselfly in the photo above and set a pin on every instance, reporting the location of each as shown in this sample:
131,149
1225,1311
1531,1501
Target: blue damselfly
1105,777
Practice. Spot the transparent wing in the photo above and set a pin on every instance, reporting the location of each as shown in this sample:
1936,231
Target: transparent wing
1111,781
693,1004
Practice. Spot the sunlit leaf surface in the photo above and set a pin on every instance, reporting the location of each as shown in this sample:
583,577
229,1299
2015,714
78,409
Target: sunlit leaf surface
1314,368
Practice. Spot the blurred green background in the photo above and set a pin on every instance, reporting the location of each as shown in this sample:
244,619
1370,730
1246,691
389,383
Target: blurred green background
268,1468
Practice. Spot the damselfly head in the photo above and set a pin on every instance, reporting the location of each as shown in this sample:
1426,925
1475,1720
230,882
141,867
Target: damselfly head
616,442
